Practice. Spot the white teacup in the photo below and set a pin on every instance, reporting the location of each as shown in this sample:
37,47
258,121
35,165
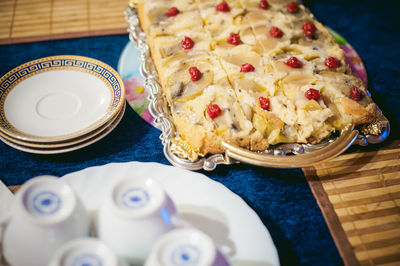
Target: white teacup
135,213
85,251
45,214
185,247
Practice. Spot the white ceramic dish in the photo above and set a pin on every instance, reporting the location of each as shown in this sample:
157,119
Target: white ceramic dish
5,200
142,211
85,251
58,145
58,98
45,214
235,228
54,149
185,246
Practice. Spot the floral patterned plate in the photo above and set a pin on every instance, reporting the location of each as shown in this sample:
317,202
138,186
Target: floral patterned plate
136,93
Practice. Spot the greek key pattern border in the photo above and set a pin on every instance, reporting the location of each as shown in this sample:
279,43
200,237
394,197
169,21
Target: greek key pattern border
64,63
77,63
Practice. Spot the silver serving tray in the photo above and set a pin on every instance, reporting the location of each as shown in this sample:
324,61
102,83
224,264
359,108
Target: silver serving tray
376,132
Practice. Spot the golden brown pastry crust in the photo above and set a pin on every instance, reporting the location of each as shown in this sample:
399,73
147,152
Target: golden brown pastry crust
292,117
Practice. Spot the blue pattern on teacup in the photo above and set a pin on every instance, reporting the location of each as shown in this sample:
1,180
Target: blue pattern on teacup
185,255
46,203
87,259
135,198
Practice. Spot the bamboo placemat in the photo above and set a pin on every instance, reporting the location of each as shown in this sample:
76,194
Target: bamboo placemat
359,195
38,20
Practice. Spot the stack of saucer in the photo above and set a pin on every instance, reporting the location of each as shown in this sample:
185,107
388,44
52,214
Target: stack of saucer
59,104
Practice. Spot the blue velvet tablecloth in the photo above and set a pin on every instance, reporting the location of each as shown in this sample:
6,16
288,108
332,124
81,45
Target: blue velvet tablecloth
281,197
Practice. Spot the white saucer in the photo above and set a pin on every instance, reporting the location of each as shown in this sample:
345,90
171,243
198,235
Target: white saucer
211,207
43,148
57,145
58,98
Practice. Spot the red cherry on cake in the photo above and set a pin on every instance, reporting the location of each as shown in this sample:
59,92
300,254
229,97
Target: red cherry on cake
264,103
332,62
292,7
355,93
213,110
309,29
263,4
234,39
275,32
247,68
312,94
172,12
223,7
187,43
195,73
293,62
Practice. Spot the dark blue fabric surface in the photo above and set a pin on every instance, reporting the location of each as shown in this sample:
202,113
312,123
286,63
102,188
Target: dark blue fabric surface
281,197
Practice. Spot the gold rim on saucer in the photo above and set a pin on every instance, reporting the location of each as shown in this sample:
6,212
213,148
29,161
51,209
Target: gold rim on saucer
58,145
103,72
94,138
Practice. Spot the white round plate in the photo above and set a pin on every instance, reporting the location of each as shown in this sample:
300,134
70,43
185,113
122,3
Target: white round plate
50,149
58,98
58,145
211,207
